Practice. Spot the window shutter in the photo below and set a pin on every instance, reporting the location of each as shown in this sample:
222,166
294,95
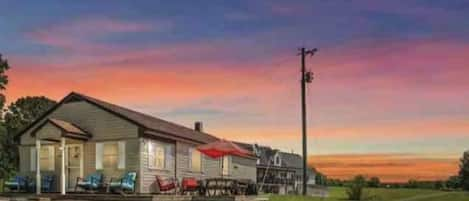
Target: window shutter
99,156
121,147
168,157
151,155
189,152
33,158
51,152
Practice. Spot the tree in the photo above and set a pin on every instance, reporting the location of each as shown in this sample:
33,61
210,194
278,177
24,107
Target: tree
374,182
5,167
464,171
320,179
355,190
25,110
453,182
18,115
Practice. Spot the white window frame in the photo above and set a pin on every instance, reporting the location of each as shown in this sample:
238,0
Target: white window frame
121,154
191,151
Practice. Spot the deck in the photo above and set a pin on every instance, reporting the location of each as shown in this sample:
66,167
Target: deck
116,197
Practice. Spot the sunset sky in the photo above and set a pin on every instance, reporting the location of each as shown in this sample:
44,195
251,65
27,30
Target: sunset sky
391,85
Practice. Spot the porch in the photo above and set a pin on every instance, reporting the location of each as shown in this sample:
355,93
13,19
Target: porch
114,197
69,141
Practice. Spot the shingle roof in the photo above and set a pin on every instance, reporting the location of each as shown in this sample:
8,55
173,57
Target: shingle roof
146,122
152,123
68,127
291,160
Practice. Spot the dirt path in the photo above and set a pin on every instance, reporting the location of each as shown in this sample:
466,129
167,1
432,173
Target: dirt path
421,197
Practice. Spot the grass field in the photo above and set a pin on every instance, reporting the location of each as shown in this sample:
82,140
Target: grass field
381,194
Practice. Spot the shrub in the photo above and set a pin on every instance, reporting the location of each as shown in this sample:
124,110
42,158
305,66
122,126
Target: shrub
374,182
355,190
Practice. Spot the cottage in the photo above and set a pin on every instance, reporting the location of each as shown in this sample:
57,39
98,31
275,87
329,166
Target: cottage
82,135
277,171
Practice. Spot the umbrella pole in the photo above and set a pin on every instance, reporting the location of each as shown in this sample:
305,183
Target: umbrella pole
222,164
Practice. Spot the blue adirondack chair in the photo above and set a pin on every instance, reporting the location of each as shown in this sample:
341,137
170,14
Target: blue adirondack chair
90,183
124,184
47,184
17,183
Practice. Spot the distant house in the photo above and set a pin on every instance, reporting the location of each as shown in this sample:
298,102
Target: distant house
100,136
279,171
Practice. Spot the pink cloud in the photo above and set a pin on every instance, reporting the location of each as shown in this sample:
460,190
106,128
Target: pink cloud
80,34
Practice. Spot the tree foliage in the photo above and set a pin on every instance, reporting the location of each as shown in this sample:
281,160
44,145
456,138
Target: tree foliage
5,167
355,190
464,171
25,110
321,179
374,182
453,182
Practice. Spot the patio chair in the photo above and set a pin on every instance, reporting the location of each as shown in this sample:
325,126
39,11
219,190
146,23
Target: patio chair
17,184
47,184
189,184
90,183
166,184
124,184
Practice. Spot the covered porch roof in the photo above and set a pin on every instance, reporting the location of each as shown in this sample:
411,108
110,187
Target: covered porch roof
55,129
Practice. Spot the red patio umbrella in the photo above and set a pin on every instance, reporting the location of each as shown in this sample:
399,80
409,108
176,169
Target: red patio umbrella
222,148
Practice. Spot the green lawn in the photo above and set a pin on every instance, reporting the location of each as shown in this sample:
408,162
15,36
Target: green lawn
381,194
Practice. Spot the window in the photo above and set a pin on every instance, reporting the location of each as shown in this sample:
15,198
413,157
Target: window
277,160
156,155
226,165
195,160
110,156
46,158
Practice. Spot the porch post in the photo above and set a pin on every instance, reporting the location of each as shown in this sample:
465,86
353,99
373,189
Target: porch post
38,166
62,173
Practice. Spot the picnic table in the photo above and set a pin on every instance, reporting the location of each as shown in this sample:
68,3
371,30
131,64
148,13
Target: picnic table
224,186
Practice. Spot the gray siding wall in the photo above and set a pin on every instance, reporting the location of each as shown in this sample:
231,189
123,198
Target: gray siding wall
148,175
243,168
179,158
210,167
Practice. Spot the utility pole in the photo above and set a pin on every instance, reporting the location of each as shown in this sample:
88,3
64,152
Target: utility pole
306,77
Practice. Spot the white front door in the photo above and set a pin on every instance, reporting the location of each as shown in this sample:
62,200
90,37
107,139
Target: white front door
74,164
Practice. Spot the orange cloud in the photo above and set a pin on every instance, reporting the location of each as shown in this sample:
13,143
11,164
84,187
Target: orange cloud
388,167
